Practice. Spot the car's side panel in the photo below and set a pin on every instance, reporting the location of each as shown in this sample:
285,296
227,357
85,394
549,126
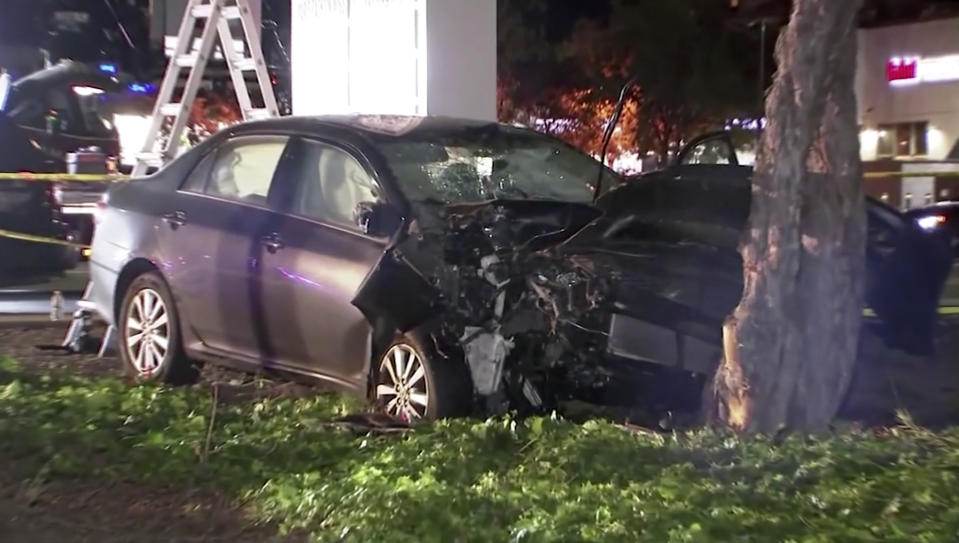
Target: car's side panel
210,246
311,276
211,261
126,231
309,285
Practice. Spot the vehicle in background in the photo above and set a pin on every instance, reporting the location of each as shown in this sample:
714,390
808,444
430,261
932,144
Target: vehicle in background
440,266
704,197
46,118
941,218
30,208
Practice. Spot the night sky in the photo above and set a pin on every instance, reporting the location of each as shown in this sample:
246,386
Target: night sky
27,22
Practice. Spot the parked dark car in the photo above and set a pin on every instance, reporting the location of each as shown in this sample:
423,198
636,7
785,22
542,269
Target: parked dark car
941,218
29,208
47,115
58,108
435,265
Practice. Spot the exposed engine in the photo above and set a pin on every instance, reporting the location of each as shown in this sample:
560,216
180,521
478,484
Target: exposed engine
529,318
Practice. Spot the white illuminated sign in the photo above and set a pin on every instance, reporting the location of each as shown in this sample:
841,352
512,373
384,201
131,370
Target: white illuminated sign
359,56
904,70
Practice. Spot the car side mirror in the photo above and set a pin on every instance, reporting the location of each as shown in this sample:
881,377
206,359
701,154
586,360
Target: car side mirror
377,219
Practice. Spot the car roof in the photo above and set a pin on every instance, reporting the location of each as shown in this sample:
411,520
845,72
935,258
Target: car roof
63,74
379,127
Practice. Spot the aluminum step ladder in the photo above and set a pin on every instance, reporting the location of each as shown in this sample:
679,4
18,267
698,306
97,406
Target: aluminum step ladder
78,338
210,19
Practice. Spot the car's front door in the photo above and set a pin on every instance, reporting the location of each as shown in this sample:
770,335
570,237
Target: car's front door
315,261
211,242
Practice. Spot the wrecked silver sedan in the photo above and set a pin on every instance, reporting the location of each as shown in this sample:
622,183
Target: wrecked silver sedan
439,267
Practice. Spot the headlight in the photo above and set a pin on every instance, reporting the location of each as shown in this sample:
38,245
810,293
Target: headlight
931,222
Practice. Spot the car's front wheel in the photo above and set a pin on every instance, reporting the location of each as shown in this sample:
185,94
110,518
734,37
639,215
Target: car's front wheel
149,334
414,382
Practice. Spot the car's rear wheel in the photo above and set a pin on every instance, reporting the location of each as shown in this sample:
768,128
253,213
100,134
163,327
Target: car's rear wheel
414,382
149,334
70,256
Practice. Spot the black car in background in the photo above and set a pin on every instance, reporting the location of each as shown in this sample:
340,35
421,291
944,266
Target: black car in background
704,197
29,208
46,116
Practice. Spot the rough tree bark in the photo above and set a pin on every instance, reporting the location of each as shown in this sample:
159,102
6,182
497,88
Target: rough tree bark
790,345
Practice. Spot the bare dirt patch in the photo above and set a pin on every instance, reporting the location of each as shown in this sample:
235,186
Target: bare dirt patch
123,512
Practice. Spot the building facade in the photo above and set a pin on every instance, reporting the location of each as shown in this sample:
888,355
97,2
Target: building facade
907,85
403,57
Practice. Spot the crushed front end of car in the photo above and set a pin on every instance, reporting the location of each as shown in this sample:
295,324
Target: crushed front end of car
546,303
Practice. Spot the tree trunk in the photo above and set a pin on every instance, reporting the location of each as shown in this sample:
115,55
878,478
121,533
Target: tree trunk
790,345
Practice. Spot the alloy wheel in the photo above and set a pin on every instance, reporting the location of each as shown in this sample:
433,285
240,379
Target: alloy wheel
402,390
147,332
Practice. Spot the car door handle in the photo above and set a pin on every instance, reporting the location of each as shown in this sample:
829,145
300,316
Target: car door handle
175,219
273,243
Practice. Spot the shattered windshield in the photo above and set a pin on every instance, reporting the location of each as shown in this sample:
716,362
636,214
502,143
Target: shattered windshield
491,162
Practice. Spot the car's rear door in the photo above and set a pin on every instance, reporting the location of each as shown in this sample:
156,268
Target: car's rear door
211,244
315,259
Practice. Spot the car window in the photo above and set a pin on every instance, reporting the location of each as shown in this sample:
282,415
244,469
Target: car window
196,181
488,162
244,170
29,112
63,113
710,151
92,113
330,184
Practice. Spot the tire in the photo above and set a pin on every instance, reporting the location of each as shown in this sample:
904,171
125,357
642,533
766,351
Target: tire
434,386
146,359
70,256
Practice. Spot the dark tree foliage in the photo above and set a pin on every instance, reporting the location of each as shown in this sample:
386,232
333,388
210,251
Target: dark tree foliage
693,70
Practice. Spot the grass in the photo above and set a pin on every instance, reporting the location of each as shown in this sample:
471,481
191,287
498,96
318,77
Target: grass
541,479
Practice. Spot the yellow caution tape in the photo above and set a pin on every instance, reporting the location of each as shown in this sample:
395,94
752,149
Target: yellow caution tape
40,239
884,175
64,177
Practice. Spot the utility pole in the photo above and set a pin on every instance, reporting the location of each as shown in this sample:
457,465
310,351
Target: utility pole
762,69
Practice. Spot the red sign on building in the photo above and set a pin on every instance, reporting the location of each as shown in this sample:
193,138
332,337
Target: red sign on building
902,69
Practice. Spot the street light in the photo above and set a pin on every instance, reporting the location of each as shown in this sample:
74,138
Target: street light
760,13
